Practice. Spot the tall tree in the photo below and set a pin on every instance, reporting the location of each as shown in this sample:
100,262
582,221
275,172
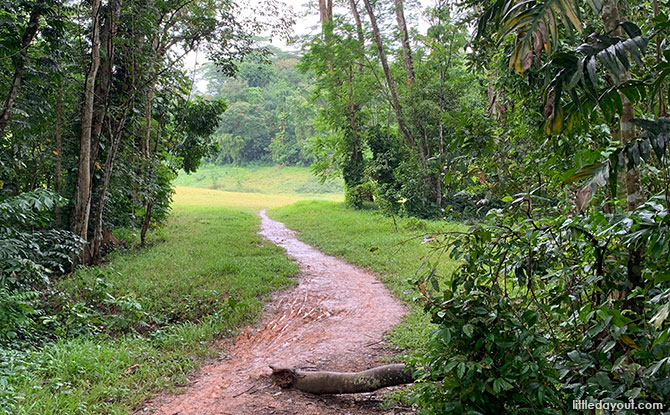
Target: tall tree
82,200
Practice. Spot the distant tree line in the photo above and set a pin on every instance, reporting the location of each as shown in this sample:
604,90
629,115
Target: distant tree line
270,116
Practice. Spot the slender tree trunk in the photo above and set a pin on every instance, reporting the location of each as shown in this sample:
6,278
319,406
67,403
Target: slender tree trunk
58,138
404,40
148,107
82,208
26,40
104,79
634,197
359,30
662,105
109,34
356,154
146,155
395,101
98,240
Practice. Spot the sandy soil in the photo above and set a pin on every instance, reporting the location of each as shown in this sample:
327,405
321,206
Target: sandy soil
334,319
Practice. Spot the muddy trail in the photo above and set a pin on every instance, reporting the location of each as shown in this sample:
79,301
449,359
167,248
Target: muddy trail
334,319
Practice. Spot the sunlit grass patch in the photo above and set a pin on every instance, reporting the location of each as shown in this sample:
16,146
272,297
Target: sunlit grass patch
294,180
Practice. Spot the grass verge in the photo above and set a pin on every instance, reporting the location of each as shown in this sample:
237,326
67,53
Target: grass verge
371,240
208,275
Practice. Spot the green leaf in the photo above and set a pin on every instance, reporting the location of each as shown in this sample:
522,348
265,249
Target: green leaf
468,329
658,318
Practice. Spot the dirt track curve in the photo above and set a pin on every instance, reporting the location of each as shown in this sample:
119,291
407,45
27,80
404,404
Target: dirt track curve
334,319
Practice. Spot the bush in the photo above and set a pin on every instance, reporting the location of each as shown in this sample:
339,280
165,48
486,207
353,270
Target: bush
548,307
30,248
17,315
487,357
358,195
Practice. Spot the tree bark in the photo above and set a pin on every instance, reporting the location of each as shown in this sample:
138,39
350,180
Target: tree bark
323,383
82,208
356,154
114,135
662,105
98,232
58,138
359,30
404,40
634,197
26,40
103,86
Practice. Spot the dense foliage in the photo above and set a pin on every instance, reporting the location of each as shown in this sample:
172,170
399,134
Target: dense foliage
270,117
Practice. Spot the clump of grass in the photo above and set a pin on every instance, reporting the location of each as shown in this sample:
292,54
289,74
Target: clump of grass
371,240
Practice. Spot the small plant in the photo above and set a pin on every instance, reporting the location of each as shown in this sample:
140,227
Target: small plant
358,195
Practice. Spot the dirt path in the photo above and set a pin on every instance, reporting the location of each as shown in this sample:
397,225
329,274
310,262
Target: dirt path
334,319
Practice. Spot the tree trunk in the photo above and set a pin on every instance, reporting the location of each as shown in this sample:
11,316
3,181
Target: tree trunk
115,135
98,230
58,138
26,40
104,79
359,30
325,12
404,40
356,154
662,105
146,155
322,383
82,208
395,101
634,197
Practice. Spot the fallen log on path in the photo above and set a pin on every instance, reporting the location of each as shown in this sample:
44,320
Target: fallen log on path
322,383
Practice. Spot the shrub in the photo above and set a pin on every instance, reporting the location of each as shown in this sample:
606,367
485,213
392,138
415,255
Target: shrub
30,248
548,307
358,195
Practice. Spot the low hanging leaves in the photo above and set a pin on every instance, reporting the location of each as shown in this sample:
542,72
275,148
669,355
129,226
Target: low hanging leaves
536,24
655,136
582,69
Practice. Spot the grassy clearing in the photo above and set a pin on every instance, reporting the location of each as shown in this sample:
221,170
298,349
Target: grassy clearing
368,239
184,283
276,180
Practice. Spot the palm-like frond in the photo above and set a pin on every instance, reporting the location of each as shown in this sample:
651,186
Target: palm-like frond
582,69
536,24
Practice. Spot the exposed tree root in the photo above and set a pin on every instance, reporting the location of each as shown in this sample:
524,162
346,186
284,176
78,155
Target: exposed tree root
322,383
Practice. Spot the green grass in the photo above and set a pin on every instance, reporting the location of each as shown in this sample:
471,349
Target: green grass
277,180
368,239
206,255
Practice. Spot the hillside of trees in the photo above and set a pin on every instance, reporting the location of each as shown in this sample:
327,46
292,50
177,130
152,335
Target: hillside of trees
270,116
